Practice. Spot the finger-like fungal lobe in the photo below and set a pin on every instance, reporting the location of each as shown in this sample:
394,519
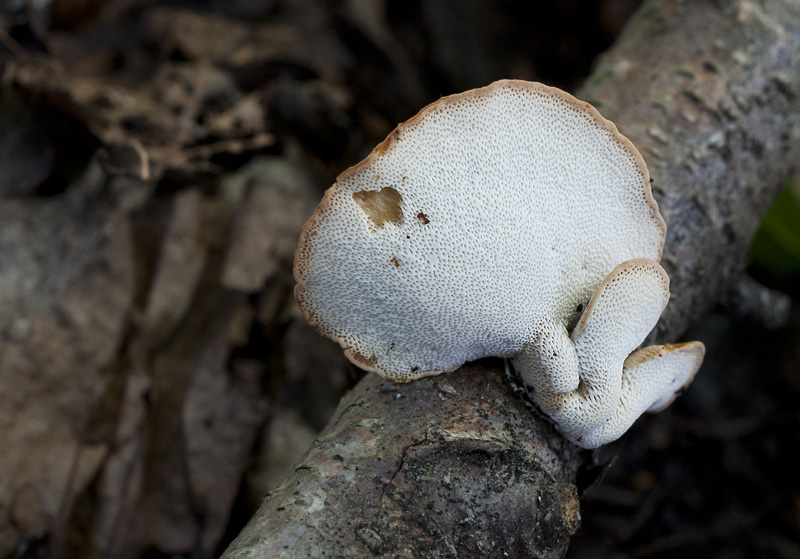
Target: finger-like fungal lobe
510,221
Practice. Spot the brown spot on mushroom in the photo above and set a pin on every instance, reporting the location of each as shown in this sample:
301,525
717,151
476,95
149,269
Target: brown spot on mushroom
395,261
423,218
390,140
381,205
360,360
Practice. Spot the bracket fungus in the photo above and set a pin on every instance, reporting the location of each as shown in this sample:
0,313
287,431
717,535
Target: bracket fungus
510,221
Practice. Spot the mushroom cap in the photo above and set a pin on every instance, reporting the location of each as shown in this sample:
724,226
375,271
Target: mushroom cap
484,215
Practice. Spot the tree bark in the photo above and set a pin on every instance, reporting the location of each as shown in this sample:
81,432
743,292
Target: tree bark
456,465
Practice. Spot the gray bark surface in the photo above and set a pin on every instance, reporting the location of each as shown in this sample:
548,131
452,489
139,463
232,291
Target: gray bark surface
456,466
441,467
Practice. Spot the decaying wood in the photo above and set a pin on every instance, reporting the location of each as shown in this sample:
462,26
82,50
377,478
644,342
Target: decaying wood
414,469
455,466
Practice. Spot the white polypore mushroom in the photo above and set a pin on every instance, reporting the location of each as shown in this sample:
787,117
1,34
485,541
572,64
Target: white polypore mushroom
487,225
607,387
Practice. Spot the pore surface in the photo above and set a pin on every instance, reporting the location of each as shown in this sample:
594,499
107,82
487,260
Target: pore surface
486,214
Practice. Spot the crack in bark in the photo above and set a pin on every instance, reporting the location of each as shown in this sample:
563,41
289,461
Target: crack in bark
401,465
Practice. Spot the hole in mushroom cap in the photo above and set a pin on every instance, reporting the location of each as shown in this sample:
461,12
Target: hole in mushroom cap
423,218
381,205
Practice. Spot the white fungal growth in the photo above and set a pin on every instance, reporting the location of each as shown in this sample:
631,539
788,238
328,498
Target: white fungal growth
483,227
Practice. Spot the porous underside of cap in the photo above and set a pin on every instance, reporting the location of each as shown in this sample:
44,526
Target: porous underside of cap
652,378
485,214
